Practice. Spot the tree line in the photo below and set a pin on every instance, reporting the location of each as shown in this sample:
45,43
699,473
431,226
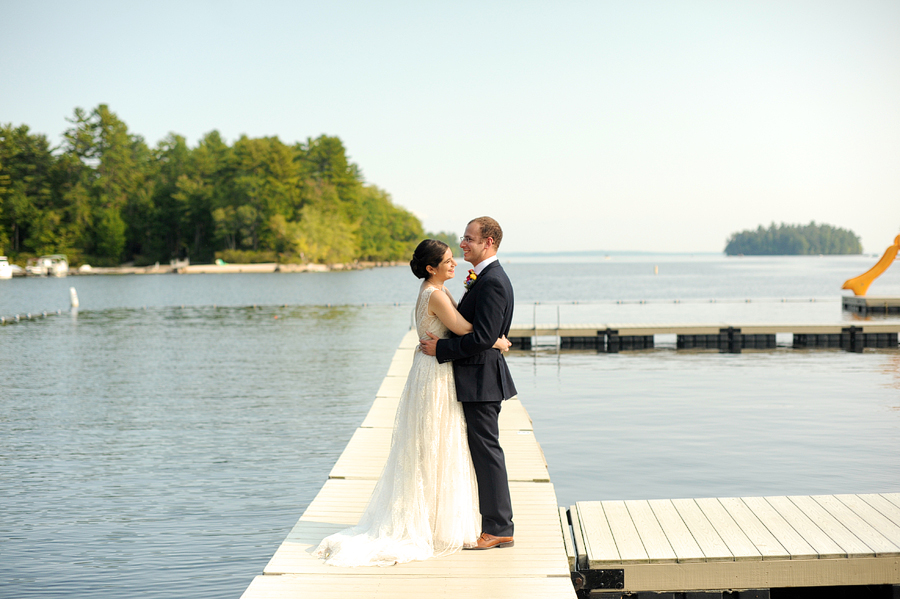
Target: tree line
105,197
793,240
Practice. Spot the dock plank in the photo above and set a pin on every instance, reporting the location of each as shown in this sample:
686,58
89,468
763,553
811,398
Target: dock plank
401,362
824,546
892,497
761,537
651,533
737,541
712,545
368,448
886,508
795,546
568,543
625,534
852,545
857,525
375,587
599,543
581,559
391,386
513,415
679,537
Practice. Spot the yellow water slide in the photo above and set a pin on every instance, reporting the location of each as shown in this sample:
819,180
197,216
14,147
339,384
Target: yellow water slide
859,285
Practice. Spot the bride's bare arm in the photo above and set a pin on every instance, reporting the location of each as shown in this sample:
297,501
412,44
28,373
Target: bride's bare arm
441,305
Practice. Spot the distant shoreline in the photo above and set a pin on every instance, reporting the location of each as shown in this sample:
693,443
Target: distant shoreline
590,253
159,269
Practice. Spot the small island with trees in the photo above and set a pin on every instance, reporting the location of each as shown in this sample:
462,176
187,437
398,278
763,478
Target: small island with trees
793,240
105,197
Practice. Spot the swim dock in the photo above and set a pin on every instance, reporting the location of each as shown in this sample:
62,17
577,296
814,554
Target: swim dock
710,547
864,305
730,337
742,545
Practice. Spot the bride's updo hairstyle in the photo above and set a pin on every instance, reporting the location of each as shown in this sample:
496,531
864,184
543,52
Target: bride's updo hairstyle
429,253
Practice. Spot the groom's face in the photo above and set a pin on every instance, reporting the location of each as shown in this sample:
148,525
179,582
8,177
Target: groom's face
472,245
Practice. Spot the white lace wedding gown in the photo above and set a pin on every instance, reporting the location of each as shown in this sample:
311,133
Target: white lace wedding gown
426,502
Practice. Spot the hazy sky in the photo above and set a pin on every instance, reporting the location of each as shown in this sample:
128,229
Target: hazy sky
662,126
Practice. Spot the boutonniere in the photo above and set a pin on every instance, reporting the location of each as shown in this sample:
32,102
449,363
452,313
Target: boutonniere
470,280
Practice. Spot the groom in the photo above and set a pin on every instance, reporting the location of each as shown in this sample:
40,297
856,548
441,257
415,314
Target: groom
482,377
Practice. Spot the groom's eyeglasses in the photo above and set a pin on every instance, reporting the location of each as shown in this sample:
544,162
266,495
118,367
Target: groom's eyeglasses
468,239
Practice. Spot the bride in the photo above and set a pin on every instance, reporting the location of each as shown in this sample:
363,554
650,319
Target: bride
426,502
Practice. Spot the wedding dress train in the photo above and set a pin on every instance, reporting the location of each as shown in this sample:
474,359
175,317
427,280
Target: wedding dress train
426,502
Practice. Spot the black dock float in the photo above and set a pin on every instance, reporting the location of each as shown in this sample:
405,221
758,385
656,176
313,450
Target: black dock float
719,342
821,340
616,343
520,342
726,338
597,341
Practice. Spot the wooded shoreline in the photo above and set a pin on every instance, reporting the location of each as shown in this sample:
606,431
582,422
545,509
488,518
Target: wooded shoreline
158,269
104,197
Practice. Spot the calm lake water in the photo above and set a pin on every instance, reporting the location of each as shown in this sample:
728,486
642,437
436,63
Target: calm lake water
162,441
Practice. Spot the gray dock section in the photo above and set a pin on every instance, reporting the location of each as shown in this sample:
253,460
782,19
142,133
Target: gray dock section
733,337
537,566
864,305
711,544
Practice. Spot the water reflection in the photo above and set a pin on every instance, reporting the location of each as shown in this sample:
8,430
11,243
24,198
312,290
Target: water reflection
892,371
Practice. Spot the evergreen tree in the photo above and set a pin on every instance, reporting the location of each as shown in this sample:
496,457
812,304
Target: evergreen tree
29,218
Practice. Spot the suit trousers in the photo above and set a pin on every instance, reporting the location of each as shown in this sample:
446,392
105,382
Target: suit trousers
483,431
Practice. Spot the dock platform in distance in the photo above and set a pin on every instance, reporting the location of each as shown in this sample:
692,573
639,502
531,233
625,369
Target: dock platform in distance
731,337
680,545
864,305
536,567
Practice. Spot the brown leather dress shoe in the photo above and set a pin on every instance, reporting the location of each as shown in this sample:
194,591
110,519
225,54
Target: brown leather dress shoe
486,541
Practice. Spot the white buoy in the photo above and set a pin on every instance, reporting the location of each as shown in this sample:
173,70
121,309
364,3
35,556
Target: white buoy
73,296
656,269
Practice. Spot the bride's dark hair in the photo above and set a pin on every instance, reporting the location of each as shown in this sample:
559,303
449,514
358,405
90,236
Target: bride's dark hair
429,252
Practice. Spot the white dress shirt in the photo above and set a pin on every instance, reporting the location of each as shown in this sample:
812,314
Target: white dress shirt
483,264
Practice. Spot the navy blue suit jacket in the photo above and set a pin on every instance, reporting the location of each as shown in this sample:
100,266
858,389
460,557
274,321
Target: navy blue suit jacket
480,370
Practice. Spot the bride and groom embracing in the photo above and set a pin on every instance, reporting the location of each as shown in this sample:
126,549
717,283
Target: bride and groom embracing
445,466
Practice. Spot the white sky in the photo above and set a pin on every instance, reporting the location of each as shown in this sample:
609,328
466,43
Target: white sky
658,126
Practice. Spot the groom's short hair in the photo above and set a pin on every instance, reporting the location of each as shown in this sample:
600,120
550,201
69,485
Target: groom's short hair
489,228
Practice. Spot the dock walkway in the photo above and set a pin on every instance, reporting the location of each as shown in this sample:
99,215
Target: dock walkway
537,566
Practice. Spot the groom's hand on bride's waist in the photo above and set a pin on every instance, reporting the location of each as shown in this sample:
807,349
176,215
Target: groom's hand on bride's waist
429,346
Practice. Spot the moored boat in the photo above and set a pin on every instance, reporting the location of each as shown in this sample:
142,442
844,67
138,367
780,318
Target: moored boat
59,265
54,265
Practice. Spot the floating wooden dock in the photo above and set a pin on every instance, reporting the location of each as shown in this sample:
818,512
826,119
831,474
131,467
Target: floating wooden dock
713,547
865,305
754,543
731,337
537,566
